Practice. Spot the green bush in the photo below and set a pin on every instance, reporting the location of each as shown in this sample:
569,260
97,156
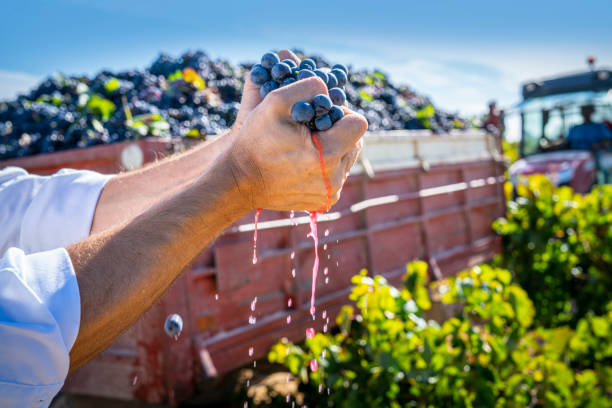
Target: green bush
387,354
558,244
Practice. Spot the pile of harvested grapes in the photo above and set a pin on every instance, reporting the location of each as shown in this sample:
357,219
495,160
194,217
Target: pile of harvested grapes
191,96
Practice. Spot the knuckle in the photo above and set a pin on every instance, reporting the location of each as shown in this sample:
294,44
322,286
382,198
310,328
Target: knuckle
317,85
363,124
275,98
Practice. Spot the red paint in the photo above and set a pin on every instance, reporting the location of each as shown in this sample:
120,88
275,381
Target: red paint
319,146
255,236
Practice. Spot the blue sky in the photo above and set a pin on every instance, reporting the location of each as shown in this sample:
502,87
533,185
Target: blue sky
460,53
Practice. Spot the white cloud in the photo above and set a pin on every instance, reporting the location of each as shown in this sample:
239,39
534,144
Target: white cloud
14,83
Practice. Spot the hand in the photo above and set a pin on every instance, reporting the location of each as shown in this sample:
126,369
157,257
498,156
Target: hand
276,163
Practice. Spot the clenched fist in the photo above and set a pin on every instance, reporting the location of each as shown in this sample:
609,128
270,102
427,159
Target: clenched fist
276,160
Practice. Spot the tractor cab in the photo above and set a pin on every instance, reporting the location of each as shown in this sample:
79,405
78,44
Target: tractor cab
549,110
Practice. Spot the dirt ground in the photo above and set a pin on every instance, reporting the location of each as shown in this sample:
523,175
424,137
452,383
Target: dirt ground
265,386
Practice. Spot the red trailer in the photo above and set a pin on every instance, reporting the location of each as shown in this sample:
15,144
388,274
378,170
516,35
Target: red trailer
413,195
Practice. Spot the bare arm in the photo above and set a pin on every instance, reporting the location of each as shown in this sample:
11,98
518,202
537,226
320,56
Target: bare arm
129,194
121,272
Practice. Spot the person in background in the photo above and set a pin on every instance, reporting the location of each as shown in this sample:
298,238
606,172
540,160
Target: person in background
589,135
494,122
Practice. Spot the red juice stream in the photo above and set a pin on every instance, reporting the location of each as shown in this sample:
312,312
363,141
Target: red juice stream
319,146
255,237
313,234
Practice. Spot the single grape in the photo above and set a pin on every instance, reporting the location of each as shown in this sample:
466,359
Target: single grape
340,67
267,88
336,113
337,96
269,59
322,104
340,76
259,75
308,64
288,81
280,71
290,62
323,123
302,112
305,73
332,82
321,74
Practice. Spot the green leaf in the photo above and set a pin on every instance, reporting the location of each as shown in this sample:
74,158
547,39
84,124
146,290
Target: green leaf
101,107
601,327
178,74
427,111
365,96
111,85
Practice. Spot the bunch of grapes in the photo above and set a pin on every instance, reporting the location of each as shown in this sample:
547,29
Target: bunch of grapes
320,113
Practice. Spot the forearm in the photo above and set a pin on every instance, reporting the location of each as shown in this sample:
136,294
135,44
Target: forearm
121,272
130,194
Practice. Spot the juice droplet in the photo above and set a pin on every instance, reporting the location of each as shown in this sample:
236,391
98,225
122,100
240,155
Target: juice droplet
325,247
292,254
325,328
288,319
289,302
327,232
252,319
287,398
293,272
255,236
325,270
250,351
310,332
324,314
134,381
320,386
254,363
253,304
291,217
216,296
319,146
326,280
315,267
324,353
314,366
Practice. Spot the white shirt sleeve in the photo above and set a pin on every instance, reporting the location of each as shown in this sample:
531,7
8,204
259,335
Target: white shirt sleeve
38,213
40,312
40,308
